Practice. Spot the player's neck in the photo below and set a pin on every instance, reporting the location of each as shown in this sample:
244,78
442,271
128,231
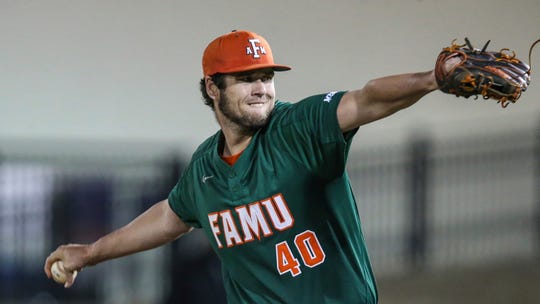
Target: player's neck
234,143
235,137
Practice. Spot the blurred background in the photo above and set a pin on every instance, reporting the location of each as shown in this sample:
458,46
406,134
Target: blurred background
100,112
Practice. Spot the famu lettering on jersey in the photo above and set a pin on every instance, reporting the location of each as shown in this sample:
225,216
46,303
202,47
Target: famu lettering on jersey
247,222
261,219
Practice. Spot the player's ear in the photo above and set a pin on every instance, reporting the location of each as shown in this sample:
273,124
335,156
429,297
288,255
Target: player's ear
211,88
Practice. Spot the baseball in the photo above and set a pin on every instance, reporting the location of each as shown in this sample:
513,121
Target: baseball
58,273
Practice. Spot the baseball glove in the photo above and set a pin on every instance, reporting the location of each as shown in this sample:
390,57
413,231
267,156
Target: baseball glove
465,71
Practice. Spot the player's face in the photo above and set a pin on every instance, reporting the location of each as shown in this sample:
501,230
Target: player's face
248,98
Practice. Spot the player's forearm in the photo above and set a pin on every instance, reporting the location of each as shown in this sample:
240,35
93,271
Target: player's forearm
153,228
382,97
396,92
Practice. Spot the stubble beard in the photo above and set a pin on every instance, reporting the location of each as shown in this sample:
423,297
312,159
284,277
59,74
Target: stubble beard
245,121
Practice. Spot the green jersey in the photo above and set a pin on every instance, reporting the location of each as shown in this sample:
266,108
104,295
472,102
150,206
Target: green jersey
282,219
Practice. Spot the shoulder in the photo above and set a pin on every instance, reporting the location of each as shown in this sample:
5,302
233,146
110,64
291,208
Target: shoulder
310,101
199,158
206,148
293,112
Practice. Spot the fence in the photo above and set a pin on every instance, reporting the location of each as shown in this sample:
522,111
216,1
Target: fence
438,204
425,204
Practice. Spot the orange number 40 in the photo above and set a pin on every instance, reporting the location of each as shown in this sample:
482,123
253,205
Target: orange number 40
309,248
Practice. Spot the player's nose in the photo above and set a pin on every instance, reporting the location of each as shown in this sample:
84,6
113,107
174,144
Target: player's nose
258,88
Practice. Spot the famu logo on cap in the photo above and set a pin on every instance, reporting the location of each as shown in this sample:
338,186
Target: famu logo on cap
255,48
238,51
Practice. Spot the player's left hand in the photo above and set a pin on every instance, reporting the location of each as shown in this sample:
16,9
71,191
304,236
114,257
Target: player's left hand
465,71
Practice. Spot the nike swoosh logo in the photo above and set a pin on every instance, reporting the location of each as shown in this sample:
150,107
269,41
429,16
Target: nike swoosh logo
205,178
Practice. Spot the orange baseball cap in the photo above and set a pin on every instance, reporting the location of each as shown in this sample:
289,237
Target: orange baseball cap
238,51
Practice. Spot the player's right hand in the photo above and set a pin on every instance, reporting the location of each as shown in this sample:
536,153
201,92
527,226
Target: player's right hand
73,256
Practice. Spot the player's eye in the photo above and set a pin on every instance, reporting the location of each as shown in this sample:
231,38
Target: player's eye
266,78
244,78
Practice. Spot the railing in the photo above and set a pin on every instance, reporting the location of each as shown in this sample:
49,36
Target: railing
439,204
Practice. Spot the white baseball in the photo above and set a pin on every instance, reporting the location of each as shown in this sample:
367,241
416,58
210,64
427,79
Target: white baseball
58,273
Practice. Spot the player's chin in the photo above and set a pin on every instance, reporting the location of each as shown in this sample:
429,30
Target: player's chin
256,120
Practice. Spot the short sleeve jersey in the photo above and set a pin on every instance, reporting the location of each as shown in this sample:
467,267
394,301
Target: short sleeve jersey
282,219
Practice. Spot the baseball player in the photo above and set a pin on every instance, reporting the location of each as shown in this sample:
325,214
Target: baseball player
269,189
